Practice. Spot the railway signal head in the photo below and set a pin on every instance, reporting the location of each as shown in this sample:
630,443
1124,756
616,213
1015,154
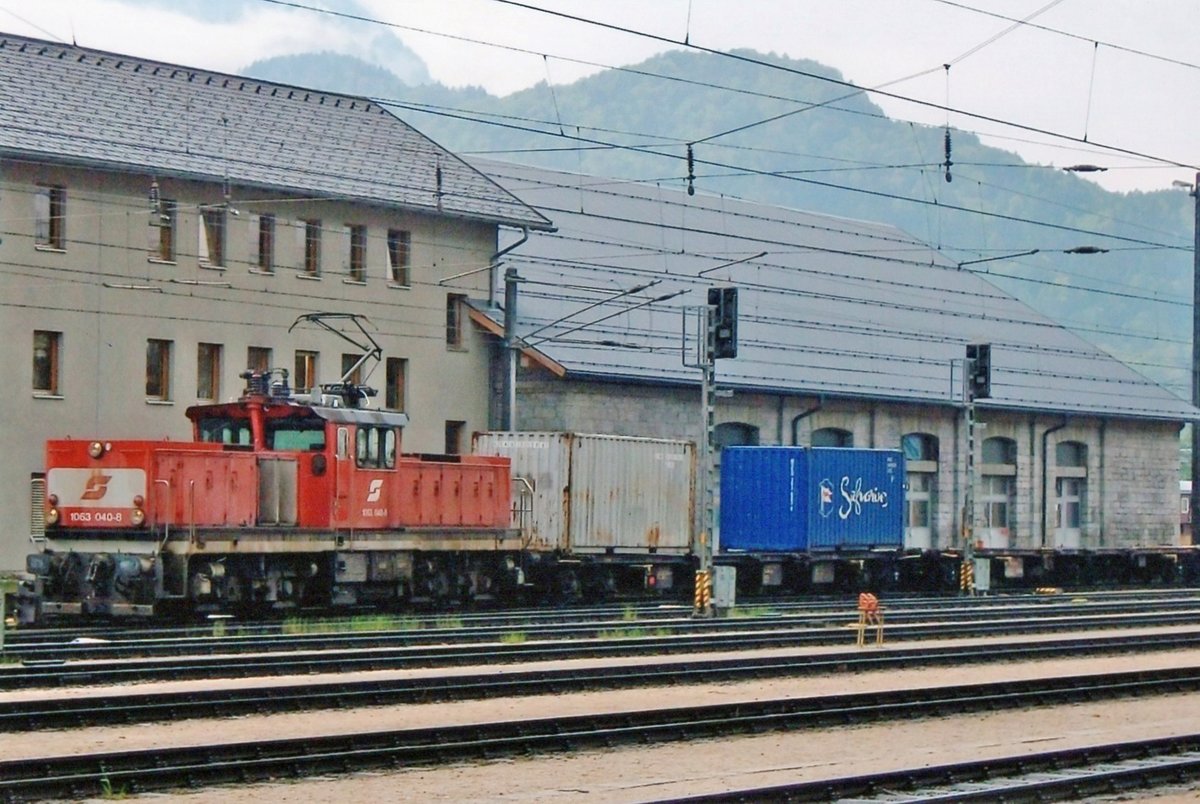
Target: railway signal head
722,312
979,370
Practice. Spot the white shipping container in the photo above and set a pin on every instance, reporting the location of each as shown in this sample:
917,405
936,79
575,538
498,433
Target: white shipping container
600,494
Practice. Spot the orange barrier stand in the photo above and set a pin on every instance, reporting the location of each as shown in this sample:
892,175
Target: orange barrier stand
869,613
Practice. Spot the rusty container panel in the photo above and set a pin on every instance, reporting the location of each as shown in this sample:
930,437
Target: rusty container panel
541,473
602,494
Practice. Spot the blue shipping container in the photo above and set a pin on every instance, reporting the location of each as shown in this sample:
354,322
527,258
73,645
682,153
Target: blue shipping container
798,499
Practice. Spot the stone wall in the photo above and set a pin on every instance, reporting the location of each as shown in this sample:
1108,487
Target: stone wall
1131,471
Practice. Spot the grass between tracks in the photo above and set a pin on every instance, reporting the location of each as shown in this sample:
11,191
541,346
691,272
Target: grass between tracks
368,622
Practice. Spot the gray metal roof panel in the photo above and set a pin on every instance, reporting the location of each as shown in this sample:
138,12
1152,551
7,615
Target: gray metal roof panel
835,306
76,105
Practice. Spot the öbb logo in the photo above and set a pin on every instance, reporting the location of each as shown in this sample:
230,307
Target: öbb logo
96,487
375,491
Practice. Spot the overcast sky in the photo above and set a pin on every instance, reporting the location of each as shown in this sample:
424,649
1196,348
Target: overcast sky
1120,73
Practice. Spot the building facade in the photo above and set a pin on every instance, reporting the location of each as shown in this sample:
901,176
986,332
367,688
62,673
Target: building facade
146,266
850,334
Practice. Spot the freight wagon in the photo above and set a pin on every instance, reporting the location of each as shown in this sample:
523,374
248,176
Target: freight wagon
799,518
615,513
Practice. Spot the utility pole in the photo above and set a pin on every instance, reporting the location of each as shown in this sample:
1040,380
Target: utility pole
717,330
1194,500
977,384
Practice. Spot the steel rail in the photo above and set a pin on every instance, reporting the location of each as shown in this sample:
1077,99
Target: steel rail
117,708
30,675
61,645
1065,775
166,767
976,622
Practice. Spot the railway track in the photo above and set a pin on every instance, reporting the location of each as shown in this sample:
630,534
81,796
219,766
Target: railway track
812,627
99,642
124,772
331,659
110,707
1051,776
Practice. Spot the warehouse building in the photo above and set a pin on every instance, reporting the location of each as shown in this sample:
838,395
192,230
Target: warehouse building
849,334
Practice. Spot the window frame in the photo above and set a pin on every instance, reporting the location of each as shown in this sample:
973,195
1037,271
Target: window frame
454,320
396,390
212,239
158,369
167,223
50,223
312,248
375,447
265,257
454,430
348,361
399,249
261,366
305,364
210,374
52,385
356,262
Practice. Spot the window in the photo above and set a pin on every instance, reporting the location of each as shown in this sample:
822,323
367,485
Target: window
305,376
352,369
454,327
295,433
998,490
998,498
258,359
1070,492
47,349
397,379
357,266
312,248
162,238
399,243
266,244
158,369
208,371
375,447
1000,451
832,437
920,456
454,435
49,217
211,248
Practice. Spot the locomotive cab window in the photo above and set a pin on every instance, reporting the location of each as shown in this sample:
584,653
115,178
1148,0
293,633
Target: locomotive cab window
375,447
224,430
305,434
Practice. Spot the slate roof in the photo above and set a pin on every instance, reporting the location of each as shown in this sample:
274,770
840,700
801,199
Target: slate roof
80,106
837,307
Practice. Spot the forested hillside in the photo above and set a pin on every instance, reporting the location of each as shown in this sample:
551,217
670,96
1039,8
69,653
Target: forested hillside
827,148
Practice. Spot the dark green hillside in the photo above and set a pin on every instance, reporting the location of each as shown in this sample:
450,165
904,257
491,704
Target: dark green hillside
832,150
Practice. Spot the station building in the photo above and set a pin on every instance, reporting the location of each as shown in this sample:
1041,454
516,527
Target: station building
162,228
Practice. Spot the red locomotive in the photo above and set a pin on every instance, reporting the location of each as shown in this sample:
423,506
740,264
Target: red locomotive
278,501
